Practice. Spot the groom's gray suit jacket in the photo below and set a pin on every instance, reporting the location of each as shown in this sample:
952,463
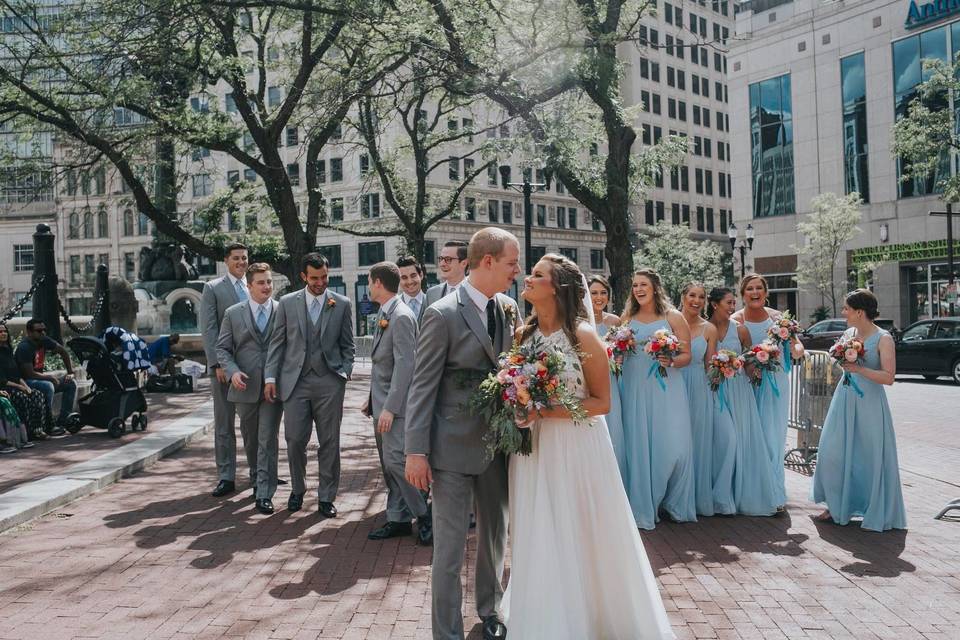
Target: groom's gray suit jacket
453,355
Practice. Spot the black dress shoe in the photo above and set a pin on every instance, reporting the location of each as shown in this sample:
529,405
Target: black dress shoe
56,431
281,481
493,629
295,502
223,488
425,531
390,530
327,509
265,506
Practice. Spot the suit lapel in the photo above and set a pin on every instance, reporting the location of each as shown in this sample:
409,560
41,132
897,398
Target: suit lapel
325,311
468,311
250,322
379,332
300,302
231,290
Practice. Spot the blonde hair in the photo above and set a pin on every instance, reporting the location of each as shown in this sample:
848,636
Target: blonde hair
490,241
750,277
661,303
693,284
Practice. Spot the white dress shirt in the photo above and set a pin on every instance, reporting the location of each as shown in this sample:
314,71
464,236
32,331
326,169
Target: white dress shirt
255,308
479,299
421,298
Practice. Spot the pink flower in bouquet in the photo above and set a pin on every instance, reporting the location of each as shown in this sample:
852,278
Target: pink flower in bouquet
851,355
762,356
784,333
729,373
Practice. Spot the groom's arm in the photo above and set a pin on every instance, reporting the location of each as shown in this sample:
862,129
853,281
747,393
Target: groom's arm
431,360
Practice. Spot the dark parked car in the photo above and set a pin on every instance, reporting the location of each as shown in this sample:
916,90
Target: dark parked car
930,348
822,335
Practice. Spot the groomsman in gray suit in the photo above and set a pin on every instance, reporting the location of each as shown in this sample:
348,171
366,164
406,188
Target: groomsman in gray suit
460,339
411,285
241,352
453,269
308,364
219,295
394,342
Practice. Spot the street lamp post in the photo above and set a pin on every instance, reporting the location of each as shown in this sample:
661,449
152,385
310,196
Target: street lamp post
526,188
744,245
951,278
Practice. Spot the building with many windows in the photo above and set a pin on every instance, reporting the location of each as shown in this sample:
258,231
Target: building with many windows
815,88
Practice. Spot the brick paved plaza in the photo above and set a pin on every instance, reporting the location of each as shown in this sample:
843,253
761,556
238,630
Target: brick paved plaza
155,556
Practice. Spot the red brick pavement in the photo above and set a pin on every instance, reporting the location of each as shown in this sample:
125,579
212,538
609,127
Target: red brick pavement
156,557
54,454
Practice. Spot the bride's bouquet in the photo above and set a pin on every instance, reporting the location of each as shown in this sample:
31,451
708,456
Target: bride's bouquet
724,364
620,341
783,330
764,359
527,380
661,343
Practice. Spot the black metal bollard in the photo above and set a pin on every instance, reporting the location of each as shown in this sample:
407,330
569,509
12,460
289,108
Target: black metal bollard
102,319
45,305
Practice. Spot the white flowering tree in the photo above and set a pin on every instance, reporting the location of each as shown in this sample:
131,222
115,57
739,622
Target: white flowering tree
680,259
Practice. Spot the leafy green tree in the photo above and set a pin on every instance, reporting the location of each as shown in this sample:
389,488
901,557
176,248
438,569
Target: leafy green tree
680,259
826,230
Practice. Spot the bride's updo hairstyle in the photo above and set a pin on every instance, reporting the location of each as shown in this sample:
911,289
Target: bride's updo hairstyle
567,281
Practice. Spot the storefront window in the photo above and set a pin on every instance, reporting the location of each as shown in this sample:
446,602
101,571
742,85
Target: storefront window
927,291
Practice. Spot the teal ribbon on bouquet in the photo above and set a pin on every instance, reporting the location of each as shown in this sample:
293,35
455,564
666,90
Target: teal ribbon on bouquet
787,360
724,403
848,379
768,377
655,370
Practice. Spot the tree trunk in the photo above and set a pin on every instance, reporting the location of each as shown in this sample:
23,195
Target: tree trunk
620,258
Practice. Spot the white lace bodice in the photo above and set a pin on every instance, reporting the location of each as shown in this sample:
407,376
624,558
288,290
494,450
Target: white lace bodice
572,374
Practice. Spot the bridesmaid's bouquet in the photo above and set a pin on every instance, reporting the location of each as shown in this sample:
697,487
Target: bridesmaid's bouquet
661,343
724,364
764,358
527,380
783,330
848,349
620,341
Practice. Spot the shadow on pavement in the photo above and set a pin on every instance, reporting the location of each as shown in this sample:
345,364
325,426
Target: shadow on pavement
879,552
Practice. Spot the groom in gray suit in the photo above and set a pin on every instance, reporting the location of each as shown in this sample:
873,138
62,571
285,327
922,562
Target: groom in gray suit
219,295
392,358
241,351
308,364
460,339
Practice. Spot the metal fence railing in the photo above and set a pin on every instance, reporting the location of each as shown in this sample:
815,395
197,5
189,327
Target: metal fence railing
364,348
812,383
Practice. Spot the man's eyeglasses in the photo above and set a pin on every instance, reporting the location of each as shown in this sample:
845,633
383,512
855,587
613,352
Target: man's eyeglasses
448,259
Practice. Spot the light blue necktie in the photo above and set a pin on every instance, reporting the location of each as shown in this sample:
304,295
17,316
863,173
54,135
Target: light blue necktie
241,291
262,320
315,310
415,307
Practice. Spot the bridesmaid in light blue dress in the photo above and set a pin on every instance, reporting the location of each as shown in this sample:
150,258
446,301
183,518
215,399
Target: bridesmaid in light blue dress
703,426
742,473
656,416
600,297
857,473
773,398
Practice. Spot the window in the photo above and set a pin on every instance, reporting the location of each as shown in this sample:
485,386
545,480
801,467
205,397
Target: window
293,173
87,224
333,255
656,104
470,208
74,269
89,267
675,213
708,182
723,221
668,12
127,222
685,178
685,214
671,108
722,184
492,175
23,257
661,215
541,215
648,213
102,223
493,210
370,253
562,217
707,148
854,89
536,253
506,208
199,153
200,104
364,164
336,209
645,135
71,179
468,167
202,185
321,171
370,205
274,97
569,252
671,76
233,177
700,220
293,136
709,219
129,266
771,148
230,103
336,169
506,173
430,251
572,217
681,110
453,167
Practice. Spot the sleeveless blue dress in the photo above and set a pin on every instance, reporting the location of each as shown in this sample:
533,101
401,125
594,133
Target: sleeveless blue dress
700,398
659,448
743,477
857,473
614,420
773,403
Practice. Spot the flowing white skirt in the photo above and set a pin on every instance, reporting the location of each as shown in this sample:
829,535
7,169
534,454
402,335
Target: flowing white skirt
578,567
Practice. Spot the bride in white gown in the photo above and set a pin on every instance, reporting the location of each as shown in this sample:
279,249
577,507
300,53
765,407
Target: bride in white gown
578,568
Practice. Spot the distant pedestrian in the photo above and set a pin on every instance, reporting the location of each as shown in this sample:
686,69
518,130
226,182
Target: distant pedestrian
31,357
30,403
162,356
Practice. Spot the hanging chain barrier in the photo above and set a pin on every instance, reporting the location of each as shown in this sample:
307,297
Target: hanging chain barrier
81,329
15,309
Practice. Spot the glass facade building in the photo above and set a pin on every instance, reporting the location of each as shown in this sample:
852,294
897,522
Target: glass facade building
853,88
771,147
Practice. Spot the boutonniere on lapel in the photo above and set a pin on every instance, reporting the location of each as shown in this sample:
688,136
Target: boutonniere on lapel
383,324
331,303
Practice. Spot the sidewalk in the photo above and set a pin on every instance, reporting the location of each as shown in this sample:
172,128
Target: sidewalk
155,556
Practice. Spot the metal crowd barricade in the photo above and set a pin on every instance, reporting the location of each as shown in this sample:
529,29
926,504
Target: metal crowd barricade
812,383
364,349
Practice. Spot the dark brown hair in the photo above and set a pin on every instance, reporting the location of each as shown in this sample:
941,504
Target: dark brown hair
661,304
864,300
716,296
600,280
314,259
410,261
461,248
388,274
567,282
234,246
255,268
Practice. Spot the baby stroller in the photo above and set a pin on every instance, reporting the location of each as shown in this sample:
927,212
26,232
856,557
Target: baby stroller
116,395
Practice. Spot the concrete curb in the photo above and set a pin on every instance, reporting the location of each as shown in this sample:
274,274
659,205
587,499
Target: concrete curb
42,496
